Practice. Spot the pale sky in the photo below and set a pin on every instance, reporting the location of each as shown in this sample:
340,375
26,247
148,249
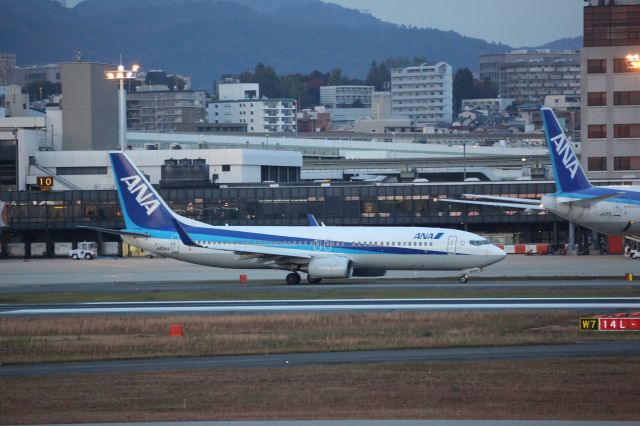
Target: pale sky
518,23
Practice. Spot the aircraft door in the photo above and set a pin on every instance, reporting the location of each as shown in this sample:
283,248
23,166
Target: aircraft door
451,245
175,243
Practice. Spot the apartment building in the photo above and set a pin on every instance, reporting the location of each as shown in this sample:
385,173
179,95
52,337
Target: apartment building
610,102
7,69
165,110
241,103
423,93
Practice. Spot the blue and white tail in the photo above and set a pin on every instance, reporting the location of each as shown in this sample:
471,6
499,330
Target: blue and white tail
142,207
567,170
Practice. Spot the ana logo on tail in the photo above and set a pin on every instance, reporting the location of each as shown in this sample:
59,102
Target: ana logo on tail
144,199
564,151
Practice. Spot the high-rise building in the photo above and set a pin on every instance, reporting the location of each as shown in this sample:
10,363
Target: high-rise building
423,93
529,76
33,73
89,107
7,69
610,102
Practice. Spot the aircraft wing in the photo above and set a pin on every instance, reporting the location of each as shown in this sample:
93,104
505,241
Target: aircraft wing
115,231
253,252
491,200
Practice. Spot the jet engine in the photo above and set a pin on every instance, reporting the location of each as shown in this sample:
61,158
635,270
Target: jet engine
330,267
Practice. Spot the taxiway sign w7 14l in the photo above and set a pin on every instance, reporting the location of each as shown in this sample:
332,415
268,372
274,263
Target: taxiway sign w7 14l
608,210
319,251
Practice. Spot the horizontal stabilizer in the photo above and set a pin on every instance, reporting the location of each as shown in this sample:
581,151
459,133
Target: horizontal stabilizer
506,199
115,231
497,204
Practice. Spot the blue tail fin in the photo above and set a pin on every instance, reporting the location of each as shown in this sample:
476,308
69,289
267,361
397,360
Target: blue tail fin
141,205
566,167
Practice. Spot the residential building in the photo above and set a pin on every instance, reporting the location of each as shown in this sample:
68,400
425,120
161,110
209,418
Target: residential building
308,121
238,91
529,76
423,93
260,115
90,107
380,105
346,96
7,69
13,101
490,105
30,74
610,102
164,110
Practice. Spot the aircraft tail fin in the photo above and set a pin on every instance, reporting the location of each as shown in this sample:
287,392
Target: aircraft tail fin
568,172
142,207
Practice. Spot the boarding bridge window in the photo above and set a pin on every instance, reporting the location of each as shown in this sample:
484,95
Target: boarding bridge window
597,131
596,66
597,98
626,163
597,164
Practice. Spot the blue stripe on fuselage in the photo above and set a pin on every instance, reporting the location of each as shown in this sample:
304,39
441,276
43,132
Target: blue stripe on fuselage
215,235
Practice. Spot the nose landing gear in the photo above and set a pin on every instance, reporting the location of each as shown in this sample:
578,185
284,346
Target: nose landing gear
464,275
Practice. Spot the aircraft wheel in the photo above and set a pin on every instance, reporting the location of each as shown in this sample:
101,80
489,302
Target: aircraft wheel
463,279
293,278
313,280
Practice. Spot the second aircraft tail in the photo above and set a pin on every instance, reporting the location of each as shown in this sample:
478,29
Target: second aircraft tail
568,172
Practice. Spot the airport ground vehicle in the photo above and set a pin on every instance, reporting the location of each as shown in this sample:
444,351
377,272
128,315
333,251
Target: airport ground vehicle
86,250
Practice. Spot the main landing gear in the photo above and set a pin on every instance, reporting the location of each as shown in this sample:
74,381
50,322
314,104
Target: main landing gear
463,278
293,278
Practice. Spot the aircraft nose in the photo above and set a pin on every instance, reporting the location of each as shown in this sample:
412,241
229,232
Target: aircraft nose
497,251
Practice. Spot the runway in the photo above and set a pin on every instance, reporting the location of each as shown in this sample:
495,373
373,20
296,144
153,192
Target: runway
595,349
334,305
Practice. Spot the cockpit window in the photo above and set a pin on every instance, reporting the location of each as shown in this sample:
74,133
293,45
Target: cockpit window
479,242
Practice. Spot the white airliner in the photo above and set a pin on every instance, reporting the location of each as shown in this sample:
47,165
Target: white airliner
320,251
608,210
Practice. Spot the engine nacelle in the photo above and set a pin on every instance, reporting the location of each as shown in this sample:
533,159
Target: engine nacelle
330,267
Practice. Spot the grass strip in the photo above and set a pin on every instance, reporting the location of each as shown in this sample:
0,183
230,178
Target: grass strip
577,389
83,338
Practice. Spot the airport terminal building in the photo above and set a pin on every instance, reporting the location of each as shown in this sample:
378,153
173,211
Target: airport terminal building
58,216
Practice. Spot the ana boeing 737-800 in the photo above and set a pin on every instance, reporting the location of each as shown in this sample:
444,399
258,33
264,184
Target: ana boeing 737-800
319,251
611,210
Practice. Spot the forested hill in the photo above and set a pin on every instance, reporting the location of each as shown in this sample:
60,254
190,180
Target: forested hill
208,38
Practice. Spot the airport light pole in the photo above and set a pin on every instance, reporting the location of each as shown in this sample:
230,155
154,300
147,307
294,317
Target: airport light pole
121,74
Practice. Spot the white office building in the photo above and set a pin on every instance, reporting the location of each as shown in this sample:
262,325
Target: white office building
423,93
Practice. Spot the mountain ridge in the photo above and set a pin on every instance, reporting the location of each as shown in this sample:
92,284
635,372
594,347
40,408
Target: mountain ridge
208,38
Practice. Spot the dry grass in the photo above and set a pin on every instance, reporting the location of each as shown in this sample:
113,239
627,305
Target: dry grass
582,389
40,339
